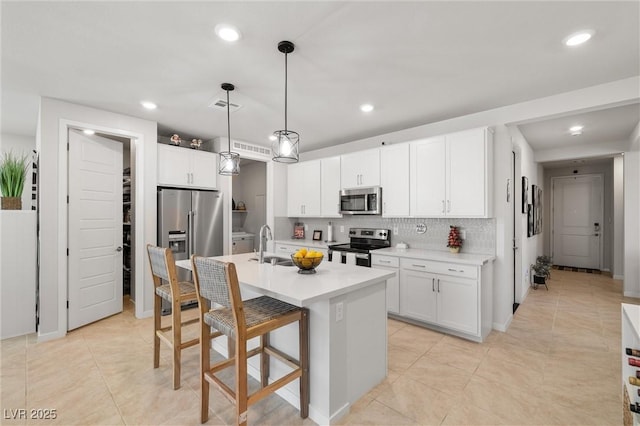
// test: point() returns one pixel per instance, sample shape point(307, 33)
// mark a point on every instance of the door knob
point(119, 248)
point(596, 235)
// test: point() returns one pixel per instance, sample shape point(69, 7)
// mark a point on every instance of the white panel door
point(95, 229)
point(394, 178)
point(466, 189)
point(577, 221)
point(427, 177)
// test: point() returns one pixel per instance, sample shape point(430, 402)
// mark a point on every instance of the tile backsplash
point(480, 235)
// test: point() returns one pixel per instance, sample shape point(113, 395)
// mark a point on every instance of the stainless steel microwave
point(361, 200)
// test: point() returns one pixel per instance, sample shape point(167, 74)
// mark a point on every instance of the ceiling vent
point(246, 150)
point(221, 104)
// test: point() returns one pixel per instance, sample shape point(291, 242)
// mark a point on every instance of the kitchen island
point(347, 328)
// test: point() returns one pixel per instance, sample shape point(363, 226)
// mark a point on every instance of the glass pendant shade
point(229, 161)
point(285, 147)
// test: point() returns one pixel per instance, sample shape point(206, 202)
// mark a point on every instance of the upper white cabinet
point(450, 175)
point(330, 187)
point(303, 189)
point(186, 167)
point(394, 179)
point(360, 168)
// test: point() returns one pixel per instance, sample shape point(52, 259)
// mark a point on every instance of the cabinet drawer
point(442, 268)
point(385, 261)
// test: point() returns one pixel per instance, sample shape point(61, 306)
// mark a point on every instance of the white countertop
point(439, 256)
point(286, 284)
point(309, 243)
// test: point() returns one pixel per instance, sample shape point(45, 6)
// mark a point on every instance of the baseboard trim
point(634, 294)
point(618, 277)
point(51, 336)
point(505, 326)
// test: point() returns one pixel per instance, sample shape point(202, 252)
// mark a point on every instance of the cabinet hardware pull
point(438, 285)
point(384, 261)
point(442, 206)
point(448, 206)
point(433, 284)
point(418, 266)
point(456, 270)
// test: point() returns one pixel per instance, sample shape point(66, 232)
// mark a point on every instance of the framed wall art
point(529, 220)
point(537, 209)
point(525, 194)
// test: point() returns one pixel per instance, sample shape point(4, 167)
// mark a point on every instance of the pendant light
point(229, 161)
point(285, 147)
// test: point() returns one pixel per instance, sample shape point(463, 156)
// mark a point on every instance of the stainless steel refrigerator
point(190, 222)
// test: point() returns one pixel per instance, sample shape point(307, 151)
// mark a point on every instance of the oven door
point(363, 259)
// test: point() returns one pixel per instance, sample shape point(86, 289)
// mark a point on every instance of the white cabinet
point(244, 244)
point(189, 168)
point(450, 175)
point(452, 297)
point(360, 168)
point(393, 284)
point(330, 187)
point(394, 179)
point(286, 250)
point(427, 177)
point(303, 189)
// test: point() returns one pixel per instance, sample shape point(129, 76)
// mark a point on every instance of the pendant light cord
point(228, 124)
point(285, 93)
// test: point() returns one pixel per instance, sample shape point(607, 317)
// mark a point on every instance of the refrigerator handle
point(190, 231)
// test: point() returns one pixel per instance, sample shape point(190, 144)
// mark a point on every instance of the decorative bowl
point(306, 265)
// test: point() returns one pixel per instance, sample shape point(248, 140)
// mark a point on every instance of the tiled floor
point(559, 363)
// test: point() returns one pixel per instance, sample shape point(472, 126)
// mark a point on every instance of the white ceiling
point(417, 62)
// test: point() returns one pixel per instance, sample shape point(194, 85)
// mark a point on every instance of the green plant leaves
point(13, 172)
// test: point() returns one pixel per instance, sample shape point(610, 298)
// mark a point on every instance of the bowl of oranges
point(307, 260)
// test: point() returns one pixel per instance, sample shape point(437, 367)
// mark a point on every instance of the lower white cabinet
point(287, 250)
point(393, 284)
point(452, 297)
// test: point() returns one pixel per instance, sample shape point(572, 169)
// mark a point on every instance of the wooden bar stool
point(217, 282)
point(163, 267)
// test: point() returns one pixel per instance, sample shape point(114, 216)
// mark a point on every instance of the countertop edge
point(437, 256)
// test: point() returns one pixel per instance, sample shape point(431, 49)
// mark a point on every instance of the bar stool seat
point(217, 285)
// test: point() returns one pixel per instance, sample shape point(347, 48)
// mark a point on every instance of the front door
point(577, 221)
point(95, 228)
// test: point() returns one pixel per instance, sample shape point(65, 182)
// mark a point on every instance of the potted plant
point(454, 241)
point(13, 172)
point(541, 271)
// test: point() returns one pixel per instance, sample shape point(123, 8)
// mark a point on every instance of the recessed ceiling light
point(227, 32)
point(578, 38)
point(148, 105)
point(89, 132)
point(575, 130)
point(272, 138)
point(366, 107)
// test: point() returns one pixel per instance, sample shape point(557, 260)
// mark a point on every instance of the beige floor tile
point(557, 364)
point(377, 413)
point(415, 400)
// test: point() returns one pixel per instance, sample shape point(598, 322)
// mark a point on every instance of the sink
point(280, 261)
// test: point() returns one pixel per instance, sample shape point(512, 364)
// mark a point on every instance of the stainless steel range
point(362, 242)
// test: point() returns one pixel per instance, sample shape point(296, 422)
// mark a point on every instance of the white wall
point(51, 139)
point(20, 145)
point(631, 214)
point(530, 247)
point(618, 217)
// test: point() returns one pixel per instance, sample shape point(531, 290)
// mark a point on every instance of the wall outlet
point(339, 311)
point(306, 227)
point(341, 228)
point(463, 234)
point(395, 229)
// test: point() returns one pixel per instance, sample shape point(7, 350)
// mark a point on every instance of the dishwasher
point(242, 243)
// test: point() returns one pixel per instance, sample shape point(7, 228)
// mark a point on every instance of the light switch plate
point(395, 229)
point(339, 311)
point(341, 228)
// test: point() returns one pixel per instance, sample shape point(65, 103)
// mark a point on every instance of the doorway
point(249, 190)
point(577, 221)
point(514, 243)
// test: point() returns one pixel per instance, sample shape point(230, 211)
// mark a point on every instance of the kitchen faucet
point(263, 241)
